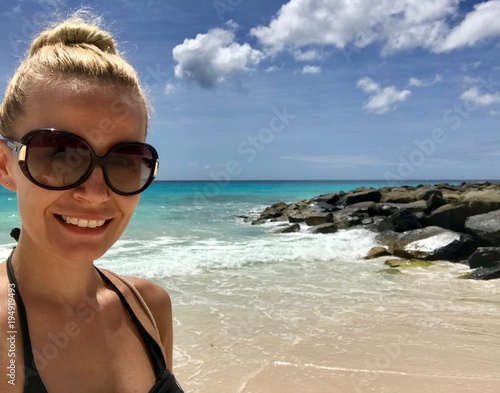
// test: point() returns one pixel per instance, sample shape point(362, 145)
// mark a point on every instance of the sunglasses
point(60, 160)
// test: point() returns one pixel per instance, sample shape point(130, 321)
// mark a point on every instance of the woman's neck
point(53, 277)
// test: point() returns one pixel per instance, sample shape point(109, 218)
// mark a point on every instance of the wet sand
point(388, 357)
point(236, 333)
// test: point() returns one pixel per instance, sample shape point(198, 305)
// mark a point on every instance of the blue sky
point(305, 89)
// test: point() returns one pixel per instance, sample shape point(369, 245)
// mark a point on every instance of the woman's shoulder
point(155, 296)
point(160, 305)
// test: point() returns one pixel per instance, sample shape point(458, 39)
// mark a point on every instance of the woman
point(73, 124)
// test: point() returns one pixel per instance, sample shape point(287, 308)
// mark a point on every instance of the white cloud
point(415, 82)
point(314, 70)
point(474, 96)
point(381, 100)
point(400, 25)
point(368, 85)
point(479, 24)
point(309, 55)
point(210, 58)
point(396, 25)
point(170, 88)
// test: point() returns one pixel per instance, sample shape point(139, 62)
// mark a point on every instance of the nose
point(94, 189)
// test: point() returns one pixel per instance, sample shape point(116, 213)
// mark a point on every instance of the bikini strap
point(155, 351)
point(139, 297)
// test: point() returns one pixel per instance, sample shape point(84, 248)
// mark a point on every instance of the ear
point(6, 172)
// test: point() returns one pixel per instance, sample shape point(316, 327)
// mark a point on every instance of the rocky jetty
point(457, 223)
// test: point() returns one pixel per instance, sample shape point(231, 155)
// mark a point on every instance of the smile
point(82, 223)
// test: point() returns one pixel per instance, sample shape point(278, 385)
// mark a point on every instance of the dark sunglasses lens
point(130, 167)
point(57, 160)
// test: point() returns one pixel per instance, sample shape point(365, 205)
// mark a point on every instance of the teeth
point(83, 223)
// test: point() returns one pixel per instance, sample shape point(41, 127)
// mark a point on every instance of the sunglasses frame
point(20, 149)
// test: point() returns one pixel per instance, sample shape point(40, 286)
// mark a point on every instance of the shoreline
point(235, 332)
point(457, 223)
point(373, 361)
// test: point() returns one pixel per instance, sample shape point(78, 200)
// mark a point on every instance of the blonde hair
point(78, 48)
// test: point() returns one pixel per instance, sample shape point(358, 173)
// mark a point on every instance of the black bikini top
point(165, 381)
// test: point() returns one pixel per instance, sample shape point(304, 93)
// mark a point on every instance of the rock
point(390, 271)
point(435, 201)
point(452, 220)
point(383, 209)
point(329, 199)
point(360, 207)
point(433, 243)
point(482, 201)
point(289, 229)
point(481, 206)
point(370, 195)
point(484, 257)
point(485, 228)
point(407, 263)
point(273, 211)
point(486, 273)
point(412, 207)
point(344, 220)
point(428, 193)
point(449, 217)
point(321, 206)
point(398, 195)
point(404, 220)
point(377, 252)
point(379, 224)
point(323, 228)
point(319, 218)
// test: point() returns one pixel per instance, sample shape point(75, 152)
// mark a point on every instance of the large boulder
point(323, 228)
point(449, 217)
point(404, 220)
point(399, 195)
point(344, 219)
point(365, 195)
point(273, 211)
point(482, 201)
point(316, 218)
point(432, 243)
point(484, 257)
point(435, 201)
point(377, 252)
point(289, 229)
point(485, 228)
point(486, 273)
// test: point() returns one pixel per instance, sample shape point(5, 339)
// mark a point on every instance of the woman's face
point(84, 222)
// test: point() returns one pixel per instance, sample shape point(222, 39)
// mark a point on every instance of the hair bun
point(73, 32)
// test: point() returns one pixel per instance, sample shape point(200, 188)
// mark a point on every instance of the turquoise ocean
point(185, 228)
point(252, 306)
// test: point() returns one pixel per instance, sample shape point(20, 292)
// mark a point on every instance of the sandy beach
point(240, 333)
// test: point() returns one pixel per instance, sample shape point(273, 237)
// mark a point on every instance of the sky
point(304, 89)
